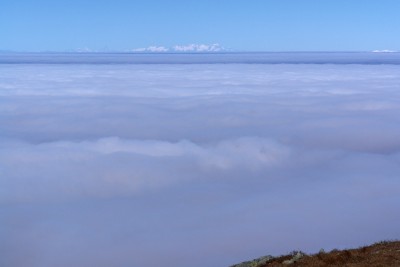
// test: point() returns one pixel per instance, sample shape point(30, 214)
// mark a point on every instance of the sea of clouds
point(194, 165)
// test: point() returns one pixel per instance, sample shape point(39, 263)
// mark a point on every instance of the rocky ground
point(382, 254)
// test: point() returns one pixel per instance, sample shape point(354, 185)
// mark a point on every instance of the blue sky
point(268, 25)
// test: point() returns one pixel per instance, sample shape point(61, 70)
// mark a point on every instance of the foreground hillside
point(383, 254)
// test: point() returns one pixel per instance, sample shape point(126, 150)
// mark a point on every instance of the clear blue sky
point(253, 25)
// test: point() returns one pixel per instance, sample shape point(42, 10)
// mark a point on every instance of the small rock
point(254, 263)
point(295, 258)
point(287, 262)
point(298, 256)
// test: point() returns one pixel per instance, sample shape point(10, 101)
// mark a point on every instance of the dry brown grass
point(383, 254)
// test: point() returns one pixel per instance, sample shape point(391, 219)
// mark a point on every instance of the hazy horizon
point(369, 58)
point(78, 51)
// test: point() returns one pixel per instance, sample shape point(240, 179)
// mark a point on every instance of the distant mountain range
point(182, 48)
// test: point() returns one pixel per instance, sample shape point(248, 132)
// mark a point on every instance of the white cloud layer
point(156, 49)
point(83, 168)
point(384, 51)
point(198, 48)
point(133, 165)
point(201, 48)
